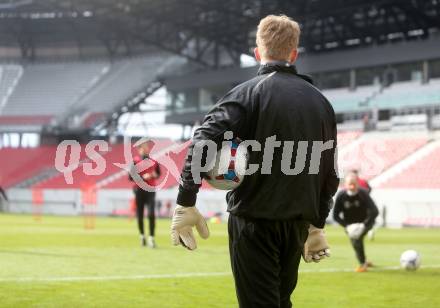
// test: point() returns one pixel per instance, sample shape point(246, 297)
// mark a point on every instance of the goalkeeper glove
point(184, 219)
point(316, 247)
point(355, 230)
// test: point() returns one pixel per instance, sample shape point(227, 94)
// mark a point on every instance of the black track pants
point(358, 246)
point(145, 198)
point(265, 256)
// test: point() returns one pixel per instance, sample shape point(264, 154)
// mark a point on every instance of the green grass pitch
point(56, 263)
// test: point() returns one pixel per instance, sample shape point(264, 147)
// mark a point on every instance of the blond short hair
point(277, 36)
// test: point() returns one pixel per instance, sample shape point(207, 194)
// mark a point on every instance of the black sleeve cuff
point(320, 224)
point(324, 210)
point(186, 197)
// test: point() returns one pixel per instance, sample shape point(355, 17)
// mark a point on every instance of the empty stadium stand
point(61, 91)
point(398, 95)
point(79, 177)
point(124, 78)
point(408, 94)
point(373, 154)
point(346, 100)
point(19, 164)
point(423, 173)
point(113, 158)
point(48, 89)
point(85, 91)
point(25, 120)
point(9, 77)
point(346, 137)
point(89, 119)
point(120, 180)
point(115, 178)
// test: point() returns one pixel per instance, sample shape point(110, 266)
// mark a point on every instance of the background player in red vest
point(148, 169)
point(361, 182)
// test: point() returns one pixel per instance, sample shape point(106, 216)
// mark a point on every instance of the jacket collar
point(281, 66)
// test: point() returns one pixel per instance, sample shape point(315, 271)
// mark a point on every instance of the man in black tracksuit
point(354, 205)
point(148, 171)
point(271, 210)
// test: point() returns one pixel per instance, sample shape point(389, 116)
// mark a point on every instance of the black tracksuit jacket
point(282, 103)
point(355, 209)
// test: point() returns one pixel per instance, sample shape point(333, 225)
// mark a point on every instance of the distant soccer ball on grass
point(229, 168)
point(410, 260)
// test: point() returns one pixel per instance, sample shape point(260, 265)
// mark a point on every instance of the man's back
point(286, 112)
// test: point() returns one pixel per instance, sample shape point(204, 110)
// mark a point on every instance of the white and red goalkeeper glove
point(316, 247)
point(184, 219)
point(355, 230)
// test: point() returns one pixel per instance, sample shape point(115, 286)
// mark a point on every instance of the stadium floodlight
point(354, 41)
point(331, 45)
point(87, 14)
point(416, 32)
point(396, 35)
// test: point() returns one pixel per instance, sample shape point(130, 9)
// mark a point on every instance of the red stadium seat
point(19, 164)
point(423, 174)
point(375, 155)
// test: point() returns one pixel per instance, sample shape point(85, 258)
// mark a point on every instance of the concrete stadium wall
point(400, 204)
point(56, 201)
point(108, 201)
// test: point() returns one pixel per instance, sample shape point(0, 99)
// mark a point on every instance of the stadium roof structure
point(205, 30)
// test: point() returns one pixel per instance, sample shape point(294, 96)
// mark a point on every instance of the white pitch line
point(377, 269)
point(104, 278)
point(183, 275)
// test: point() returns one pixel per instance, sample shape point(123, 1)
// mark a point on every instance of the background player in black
point(149, 170)
point(356, 212)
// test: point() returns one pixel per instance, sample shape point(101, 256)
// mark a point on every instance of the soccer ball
point(410, 260)
point(229, 167)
